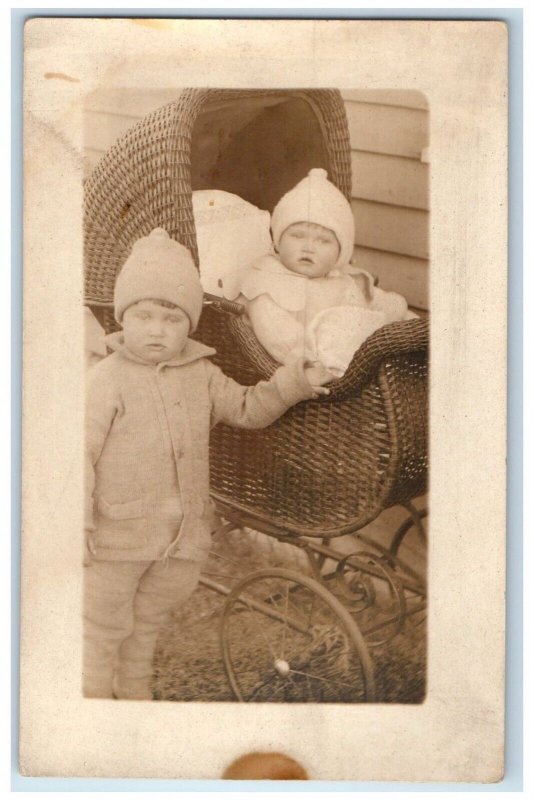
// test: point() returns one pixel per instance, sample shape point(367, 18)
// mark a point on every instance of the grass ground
point(189, 664)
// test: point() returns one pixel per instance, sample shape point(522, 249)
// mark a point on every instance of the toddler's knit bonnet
point(315, 199)
point(159, 268)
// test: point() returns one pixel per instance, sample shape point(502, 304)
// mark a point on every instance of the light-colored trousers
point(126, 603)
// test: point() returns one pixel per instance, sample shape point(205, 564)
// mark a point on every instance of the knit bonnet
point(315, 199)
point(159, 268)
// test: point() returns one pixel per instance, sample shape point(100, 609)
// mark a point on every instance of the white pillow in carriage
point(231, 234)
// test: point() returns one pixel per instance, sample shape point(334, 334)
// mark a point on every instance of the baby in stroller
point(306, 298)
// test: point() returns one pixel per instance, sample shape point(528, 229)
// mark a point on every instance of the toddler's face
point(153, 332)
point(308, 249)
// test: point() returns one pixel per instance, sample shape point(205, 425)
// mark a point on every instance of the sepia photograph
point(273, 300)
point(311, 591)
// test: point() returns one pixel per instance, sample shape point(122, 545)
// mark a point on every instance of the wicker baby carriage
point(329, 466)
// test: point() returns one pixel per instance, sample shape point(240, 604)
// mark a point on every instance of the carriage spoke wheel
point(286, 638)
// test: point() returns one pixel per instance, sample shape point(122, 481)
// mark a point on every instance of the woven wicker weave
point(327, 466)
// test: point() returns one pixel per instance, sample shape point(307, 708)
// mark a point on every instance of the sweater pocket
point(131, 510)
point(121, 526)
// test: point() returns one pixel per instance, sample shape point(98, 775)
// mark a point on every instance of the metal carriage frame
point(338, 593)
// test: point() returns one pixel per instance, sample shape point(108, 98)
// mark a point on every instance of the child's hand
point(317, 375)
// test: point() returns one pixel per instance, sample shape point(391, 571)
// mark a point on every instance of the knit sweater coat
point(147, 447)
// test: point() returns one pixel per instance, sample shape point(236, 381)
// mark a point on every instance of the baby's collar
point(266, 264)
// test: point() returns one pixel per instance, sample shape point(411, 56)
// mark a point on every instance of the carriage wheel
point(285, 638)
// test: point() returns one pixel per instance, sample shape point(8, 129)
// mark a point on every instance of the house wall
point(390, 174)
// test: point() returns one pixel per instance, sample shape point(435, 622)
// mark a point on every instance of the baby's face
point(153, 332)
point(308, 249)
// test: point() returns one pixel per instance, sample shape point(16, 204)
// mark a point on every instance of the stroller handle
point(222, 304)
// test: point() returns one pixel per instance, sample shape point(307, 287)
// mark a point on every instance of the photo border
point(514, 698)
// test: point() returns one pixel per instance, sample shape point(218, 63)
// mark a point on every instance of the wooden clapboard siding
point(106, 127)
point(389, 138)
point(109, 113)
point(387, 129)
point(408, 276)
point(401, 98)
point(389, 179)
point(391, 228)
point(134, 103)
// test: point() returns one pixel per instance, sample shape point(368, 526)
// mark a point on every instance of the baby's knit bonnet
point(159, 268)
point(315, 199)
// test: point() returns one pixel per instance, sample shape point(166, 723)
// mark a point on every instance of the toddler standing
point(307, 299)
point(150, 406)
